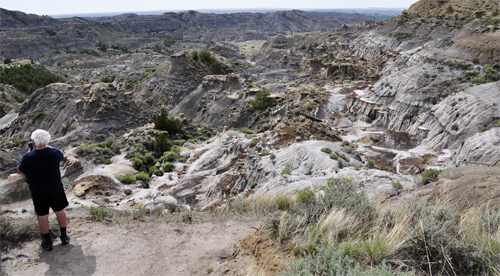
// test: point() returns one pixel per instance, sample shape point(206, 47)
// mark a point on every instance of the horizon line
point(215, 9)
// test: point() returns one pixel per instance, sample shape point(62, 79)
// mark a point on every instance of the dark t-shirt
point(41, 167)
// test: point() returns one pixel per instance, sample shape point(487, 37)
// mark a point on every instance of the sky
point(55, 7)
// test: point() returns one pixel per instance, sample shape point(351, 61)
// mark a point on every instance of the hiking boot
point(46, 245)
point(65, 239)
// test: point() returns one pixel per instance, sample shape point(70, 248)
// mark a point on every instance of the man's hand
point(18, 171)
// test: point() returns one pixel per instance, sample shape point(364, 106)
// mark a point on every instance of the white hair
point(40, 137)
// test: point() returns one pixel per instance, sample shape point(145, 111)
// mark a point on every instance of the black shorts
point(54, 199)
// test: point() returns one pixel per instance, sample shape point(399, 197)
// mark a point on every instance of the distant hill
point(16, 19)
point(47, 34)
point(379, 13)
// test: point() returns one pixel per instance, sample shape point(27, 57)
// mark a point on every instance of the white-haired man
point(41, 167)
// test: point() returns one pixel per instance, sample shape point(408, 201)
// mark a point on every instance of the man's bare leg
point(43, 222)
point(61, 219)
point(63, 222)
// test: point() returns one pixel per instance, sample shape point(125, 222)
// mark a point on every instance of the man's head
point(40, 137)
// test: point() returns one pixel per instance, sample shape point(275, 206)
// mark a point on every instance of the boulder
point(14, 188)
point(71, 166)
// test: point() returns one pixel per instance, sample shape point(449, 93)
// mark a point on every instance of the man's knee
point(58, 213)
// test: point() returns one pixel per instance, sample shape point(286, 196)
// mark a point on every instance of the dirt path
point(161, 246)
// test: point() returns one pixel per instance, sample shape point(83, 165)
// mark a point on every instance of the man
point(41, 167)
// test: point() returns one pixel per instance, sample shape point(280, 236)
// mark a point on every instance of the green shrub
point(273, 220)
point(194, 141)
point(264, 152)
point(142, 176)
point(489, 70)
point(247, 131)
point(343, 156)
point(430, 175)
point(98, 213)
point(358, 167)
point(149, 159)
point(179, 142)
point(498, 123)
point(435, 238)
point(38, 115)
point(107, 79)
point(344, 194)
point(332, 260)
point(449, 9)
point(272, 156)
point(454, 127)
point(283, 202)
point(119, 47)
point(397, 185)
point(483, 129)
point(168, 167)
point(18, 98)
point(163, 122)
point(153, 170)
point(211, 61)
point(495, 12)
point(137, 163)
point(170, 156)
point(262, 99)
point(253, 185)
point(176, 149)
point(252, 143)
point(195, 56)
point(286, 171)
point(182, 159)
point(480, 80)
point(126, 179)
point(106, 144)
point(107, 161)
point(334, 157)
point(490, 222)
point(7, 61)
point(326, 150)
point(169, 41)
point(305, 196)
point(475, 60)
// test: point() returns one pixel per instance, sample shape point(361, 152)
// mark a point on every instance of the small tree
point(262, 100)
point(449, 9)
point(495, 13)
point(163, 122)
point(7, 61)
point(162, 143)
point(101, 46)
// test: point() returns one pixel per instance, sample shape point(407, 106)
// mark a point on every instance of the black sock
point(63, 231)
point(46, 237)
